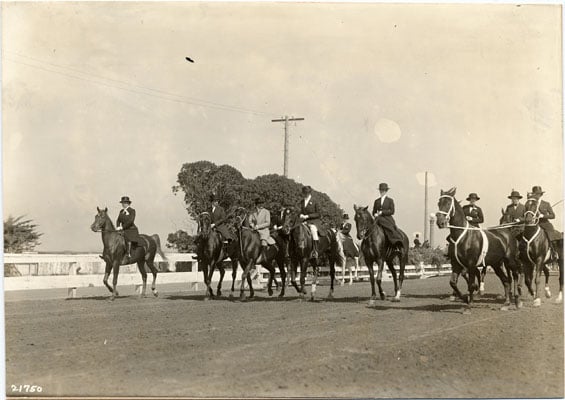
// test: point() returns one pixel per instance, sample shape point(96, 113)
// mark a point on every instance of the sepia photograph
point(209, 199)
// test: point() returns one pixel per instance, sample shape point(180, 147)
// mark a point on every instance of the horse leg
point(250, 282)
point(390, 267)
point(222, 273)
point(303, 272)
point(282, 270)
point(499, 271)
point(314, 280)
point(272, 272)
point(245, 276)
point(154, 271)
point(559, 298)
point(106, 275)
point(332, 278)
point(141, 267)
point(115, 273)
point(293, 271)
point(482, 281)
point(538, 271)
point(546, 288)
point(233, 276)
point(373, 297)
point(453, 283)
point(380, 266)
point(402, 266)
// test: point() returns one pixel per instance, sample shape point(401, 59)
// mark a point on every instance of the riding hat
point(473, 196)
point(212, 197)
point(383, 186)
point(306, 190)
point(125, 199)
point(345, 216)
point(537, 190)
point(516, 194)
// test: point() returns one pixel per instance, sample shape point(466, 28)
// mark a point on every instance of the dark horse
point(115, 252)
point(250, 254)
point(211, 252)
point(468, 246)
point(375, 249)
point(300, 248)
point(535, 253)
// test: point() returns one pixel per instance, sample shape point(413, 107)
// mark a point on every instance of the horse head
point(531, 216)
point(240, 216)
point(446, 207)
point(505, 218)
point(287, 221)
point(363, 221)
point(102, 221)
point(204, 224)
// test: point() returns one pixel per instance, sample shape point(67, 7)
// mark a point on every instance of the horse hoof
point(372, 302)
point(504, 308)
point(466, 311)
point(500, 297)
point(206, 298)
point(547, 293)
point(452, 298)
point(155, 293)
point(537, 302)
point(519, 304)
point(330, 296)
point(270, 291)
point(231, 295)
point(383, 296)
point(341, 283)
point(559, 298)
point(395, 299)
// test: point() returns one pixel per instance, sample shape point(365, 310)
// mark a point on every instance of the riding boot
point(315, 249)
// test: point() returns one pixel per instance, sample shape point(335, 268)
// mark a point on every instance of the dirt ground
point(180, 345)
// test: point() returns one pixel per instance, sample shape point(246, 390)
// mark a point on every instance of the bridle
point(368, 225)
point(535, 214)
point(451, 212)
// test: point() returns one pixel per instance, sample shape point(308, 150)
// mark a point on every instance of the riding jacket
point(126, 219)
point(475, 213)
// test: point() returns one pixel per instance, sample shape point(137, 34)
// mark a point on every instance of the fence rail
point(72, 271)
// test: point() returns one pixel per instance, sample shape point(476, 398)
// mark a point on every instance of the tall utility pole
point(286, 120)
point(426, 216)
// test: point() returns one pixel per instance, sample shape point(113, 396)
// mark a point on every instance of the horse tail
point(158, 247)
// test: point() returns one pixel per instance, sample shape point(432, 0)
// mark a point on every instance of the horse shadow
point(452, 307)
point(234, 299)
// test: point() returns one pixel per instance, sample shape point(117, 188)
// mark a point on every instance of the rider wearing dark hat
point(218, 218)
point(383, 210)
point(516, 209)
point(473, 213)
point(545, 214)
point(310, 213)
point(126, 223)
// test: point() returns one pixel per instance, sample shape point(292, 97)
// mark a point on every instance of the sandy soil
point(180, 345)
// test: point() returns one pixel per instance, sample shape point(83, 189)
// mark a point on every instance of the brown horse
point(115, 252)
point(535, 253)
point(300, 248)
point(468, 246)
point(376, 249)
point(211, 253)
point(250, 254)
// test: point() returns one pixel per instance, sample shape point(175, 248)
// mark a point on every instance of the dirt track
point(179, 345)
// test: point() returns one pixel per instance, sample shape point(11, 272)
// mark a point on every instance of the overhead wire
point(72, 72)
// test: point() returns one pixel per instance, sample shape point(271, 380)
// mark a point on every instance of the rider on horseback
point(473, 213)
point(545, 214)
point(383, 210)
point(260, 221)
point(309, 212)
point(515, 211)
point(125, 223)
point(218, 218)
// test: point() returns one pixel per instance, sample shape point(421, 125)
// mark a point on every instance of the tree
point(197, 180)
point(20, 235)
point(181, 241)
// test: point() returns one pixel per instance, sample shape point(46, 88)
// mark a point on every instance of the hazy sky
point(99, 102)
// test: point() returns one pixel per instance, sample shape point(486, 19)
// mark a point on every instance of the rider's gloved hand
point(469, 218)
point(119, 228)
point(213, 226)
point(541, 216)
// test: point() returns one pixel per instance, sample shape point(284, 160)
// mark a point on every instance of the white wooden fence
point(30, 271)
